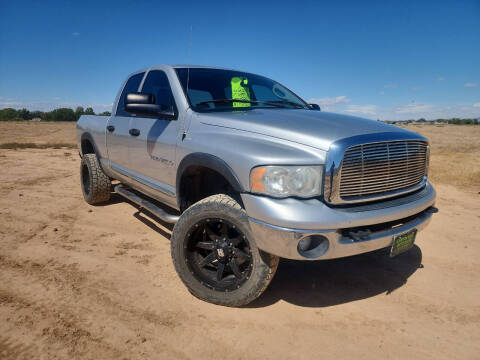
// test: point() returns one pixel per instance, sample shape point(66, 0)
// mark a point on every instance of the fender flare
point(208, 161)
point(89, 137)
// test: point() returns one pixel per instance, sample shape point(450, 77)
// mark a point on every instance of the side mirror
point(314, 107)
point(144, 104)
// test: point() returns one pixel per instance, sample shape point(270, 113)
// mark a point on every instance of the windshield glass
point(227, 90)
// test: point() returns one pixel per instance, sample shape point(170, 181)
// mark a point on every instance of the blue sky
point(377, 59)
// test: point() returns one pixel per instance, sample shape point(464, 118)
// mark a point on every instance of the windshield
point(226, 90)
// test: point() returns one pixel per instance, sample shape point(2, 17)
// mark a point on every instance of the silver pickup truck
point(249, 172)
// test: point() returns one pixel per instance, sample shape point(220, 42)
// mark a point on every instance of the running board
point(143, 203)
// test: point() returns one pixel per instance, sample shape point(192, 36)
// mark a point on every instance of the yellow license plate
point(403, 242)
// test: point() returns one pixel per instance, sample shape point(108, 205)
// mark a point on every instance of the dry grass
point(455, 154)
point(455, 149)
point(16, 145)
point(37, 133)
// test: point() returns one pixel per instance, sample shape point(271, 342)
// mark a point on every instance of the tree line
point(67, 114)
point(455, 121)
point(61, 114)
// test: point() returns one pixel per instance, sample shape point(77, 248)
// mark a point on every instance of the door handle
point(134, 132)
point(111, 128)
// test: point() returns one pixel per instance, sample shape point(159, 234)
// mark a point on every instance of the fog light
point(313, 246)
point(304, 244)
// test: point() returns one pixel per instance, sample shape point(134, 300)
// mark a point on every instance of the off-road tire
point(96, 186)
point(264, 264)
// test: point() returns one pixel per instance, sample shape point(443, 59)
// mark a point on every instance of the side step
point(143, 203)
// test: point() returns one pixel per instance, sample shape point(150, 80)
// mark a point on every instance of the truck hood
point(313, 128)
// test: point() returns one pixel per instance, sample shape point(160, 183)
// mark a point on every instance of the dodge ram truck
point(249, 172)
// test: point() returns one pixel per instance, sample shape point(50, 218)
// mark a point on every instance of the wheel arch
point(204, 161)
point(87, 144)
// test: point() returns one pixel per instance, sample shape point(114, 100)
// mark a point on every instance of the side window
point(157, 84)
point(131, 86)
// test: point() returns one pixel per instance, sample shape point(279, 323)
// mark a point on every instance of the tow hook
point(432, 210)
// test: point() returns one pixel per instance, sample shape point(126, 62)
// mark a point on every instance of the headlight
point(283, 181)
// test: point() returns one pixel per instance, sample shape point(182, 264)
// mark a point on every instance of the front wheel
point(215, 255)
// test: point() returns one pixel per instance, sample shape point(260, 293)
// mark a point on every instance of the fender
point(209, 161)
point(88, 136)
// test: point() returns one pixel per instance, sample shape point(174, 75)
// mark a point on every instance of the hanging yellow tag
point(240, 91)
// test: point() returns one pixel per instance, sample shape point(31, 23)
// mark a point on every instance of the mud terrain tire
point(96, 186)
point(261, 266)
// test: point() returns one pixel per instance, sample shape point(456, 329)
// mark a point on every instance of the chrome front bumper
point(279, 224)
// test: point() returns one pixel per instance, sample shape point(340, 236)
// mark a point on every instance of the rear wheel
point(96, 186)
point(215, 254)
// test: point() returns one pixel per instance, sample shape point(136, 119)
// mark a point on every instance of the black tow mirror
point(144, 104)
point(314, 107)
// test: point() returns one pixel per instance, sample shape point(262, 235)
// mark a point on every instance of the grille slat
point(377, 168)
point(354, 185)
point(393, 185)
point(359, 175)
point(354, 169)
point(353, 192)
point(371, 180)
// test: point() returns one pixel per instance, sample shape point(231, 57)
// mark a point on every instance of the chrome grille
point(382, 167)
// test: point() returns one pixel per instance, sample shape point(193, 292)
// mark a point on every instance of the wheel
point(215, 255)
point(95, 184)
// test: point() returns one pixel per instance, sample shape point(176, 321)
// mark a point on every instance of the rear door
point(152, 152)
point(118, 127)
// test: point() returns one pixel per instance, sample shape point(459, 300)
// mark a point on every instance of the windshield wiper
point(219, 101)
point(288, 102)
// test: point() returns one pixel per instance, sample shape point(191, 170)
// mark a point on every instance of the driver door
point(152, 148)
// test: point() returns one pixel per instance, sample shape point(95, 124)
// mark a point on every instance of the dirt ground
point(97, 282)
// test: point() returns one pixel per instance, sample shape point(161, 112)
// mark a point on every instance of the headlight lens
point(283, 181)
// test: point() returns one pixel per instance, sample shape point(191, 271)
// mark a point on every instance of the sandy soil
point(97, 282)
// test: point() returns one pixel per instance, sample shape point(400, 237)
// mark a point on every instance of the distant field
point(455, 154)
point(455, 149)
point(39, 133)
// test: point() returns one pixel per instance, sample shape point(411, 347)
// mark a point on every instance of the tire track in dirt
point(62, 282)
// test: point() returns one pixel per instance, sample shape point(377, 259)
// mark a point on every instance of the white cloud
point(75, 33)
point(472, 84)
point(390, 86)
point(362, 109)
point(414, 111)
point(416, 88)
point(330, 101)
point(399, 111)
point(429, 111)
point(412, 108)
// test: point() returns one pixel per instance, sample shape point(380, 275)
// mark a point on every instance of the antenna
point(189, 56)
point(189, 51)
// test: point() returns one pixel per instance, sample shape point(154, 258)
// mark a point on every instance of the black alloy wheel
point(218, 254)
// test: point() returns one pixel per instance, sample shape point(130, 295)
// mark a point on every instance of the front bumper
point(279, 224)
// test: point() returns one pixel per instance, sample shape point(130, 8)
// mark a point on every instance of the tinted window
point(157, 84)
point(217, 90)
point(131, 86)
